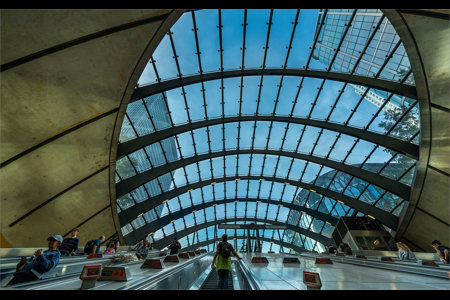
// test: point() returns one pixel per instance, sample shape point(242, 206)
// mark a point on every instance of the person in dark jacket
point(69, 246)
point(174, 246)
point(39, 264)
point(345, 248)
point(441, 250)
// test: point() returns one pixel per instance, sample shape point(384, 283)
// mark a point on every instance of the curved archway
point(394, 82)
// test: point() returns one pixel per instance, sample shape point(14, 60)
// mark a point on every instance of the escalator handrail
point(158, 277)
point(251, 278)
point(392, 266)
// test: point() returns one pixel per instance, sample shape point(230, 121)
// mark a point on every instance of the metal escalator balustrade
point(179, 276)
point(68, 267)
point(395, 265)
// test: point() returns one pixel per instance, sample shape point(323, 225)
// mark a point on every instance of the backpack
point(89, 246)
point(226, 250)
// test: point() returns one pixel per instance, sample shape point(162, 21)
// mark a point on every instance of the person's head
point(54, 241)
point(225, 237)
point(75, 231)
point(376, 242)
point(435, 244)
point(102, 238)
point(401, 246)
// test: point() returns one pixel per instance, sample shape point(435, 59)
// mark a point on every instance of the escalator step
point(212, 280)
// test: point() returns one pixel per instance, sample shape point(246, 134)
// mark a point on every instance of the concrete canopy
point(65, 75)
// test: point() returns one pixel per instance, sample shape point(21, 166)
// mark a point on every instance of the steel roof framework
point(401, 146)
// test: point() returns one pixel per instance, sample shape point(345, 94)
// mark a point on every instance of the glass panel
point(139, 118)
point(125, 201)
point(139, 194)
point(256, 33)
point(276, 135)
point(232, 38)
point(230, 165)
point(230, 189)
point(183, 35)
point(269, 165)
point(124, 168)
point(196, 196)
point(388, 202)
point(283, 166)
point(308, 93)
point(157, 108)
point(148, 75)
point(231, 133)
point(163, 59)
point(310, 134)
point(287, 94)
point(194, 99)
point(231, 96)
point(325, 142)
point(140, 161)
point(150, 216)
point(155, 154)
point(207, 22)
point(283, 214)
point(261, 210)
point(174, 205)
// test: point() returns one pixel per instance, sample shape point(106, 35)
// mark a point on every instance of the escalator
point(212, 279)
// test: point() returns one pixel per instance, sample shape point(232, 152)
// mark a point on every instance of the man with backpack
point(223, 266)
point(93, 246)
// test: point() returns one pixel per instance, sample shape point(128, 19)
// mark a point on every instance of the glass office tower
point(384, 42)
point(138, 123)
point(340, 182)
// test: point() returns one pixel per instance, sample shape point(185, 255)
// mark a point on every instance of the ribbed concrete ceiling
point(64, 76)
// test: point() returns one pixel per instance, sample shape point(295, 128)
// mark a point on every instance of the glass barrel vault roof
point(268, 116)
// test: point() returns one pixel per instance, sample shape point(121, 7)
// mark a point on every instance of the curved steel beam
point(140, 233)
point(380, 84)
point(384, 217)
point(195, 246)
point(395, 187)
point(126, 217)
point(397, 145)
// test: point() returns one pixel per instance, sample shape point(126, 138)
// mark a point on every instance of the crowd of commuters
point(43, 261)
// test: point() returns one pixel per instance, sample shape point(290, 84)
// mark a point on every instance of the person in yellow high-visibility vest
point(223, 266)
